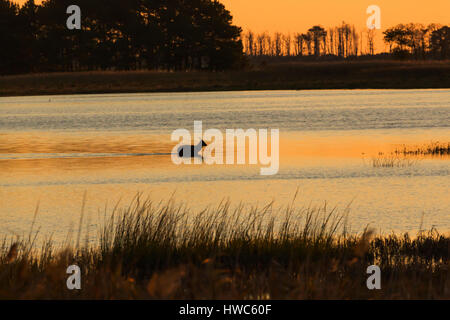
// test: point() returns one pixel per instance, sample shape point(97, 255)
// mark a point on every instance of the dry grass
point(163, 251)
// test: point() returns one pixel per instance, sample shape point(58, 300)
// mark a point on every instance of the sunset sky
point(299, 15)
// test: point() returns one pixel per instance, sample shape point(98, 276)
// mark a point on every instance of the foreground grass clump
point(392, 161)
point(163, 251)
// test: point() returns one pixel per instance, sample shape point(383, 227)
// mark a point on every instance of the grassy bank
point(279, 76)
point(163, 251)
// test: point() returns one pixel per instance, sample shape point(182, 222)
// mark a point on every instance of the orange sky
point(299, 15)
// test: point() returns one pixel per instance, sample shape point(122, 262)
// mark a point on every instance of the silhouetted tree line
point(120, 35)
point(411, 40)
point(341, 41)
point(419, 41)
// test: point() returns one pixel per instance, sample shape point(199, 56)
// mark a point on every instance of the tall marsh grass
point(163, 250)
point(434, 148)
point(392, 161)
point(407, 156)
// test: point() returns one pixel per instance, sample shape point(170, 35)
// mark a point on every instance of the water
point(54, 148)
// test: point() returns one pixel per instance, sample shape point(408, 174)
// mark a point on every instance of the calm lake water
point(54, 148)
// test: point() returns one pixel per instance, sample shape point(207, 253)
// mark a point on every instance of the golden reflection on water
point(291, 144)
point(46, 156)
point(41, 142)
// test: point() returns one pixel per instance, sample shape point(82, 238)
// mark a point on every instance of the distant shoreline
point(385, 74)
